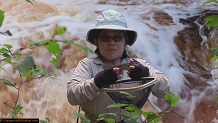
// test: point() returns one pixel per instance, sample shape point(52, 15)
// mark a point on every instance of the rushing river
point(157, 23)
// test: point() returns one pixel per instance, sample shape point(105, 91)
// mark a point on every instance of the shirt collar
point(99, 61)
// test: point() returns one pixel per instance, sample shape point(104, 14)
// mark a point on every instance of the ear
point(96, 42)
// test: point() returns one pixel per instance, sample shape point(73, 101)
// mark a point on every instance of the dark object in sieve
point(124, 66)
point(140, 89)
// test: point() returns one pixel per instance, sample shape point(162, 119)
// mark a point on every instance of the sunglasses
point(116, 38)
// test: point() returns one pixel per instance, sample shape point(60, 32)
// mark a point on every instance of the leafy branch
point(209, 1)
point(212, 22)
point(2, 16)
point(23, 61)
point(151, 117)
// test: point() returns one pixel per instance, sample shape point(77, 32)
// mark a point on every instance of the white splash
point(79, 16)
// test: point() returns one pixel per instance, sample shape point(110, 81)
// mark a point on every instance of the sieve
point(150, 81)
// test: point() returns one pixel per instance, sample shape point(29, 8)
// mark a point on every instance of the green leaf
point(54, 49)
point(84, 48)
point(51, 75)
point(78, 45)
point(40, 43)
point(130, 116)
point(60, 30)
point(84, 119)
point(4, 51)
point(3, 68)
point(5, 55)
point(216, 99)
point(110, 120)
point(209, 1)
point(131, 108)
point(111, 114)
point(214, 58)
point(152, 117)
point(172, 99)
point(27, 74)
point(126, 116)
point(177, 113)
point(101, 115)
point(54, 61)
point(8, 46)
point(8, 33)
point(38, 71)
point(212, 21)
point(25, 65)
point(29, 1)
point(117, 105)
point(213, 54)
point(47, 119)
point(17, 55)
point(6, 82)
point(130, 96)
point(42, 121)
point(2, 15)
point(155, 119)
point(8, 60)
point(16, 110)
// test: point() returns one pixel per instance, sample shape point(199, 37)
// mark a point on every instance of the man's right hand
point(107, 77)
point(137, 71)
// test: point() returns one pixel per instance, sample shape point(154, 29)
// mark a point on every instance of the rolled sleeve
point(163, 84)
point(81, 86)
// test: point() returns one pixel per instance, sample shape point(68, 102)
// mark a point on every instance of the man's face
point(111, 44)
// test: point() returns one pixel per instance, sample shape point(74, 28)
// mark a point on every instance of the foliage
point(54, 48)
point(172, 99)
point(85, 120)
point(23, 61)
point(209, 1)
point(134, 111)
point(1, 17)
point(216, 99)
point(2, 13)
point(30, 1)
point(45, 121)
point(16, 110)
point(213, 54)
point(25, 65)
point(212, 21)
point(8, 83)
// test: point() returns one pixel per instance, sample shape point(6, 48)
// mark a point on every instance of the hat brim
point(131, 34)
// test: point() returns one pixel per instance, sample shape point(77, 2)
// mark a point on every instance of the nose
point(111, 42)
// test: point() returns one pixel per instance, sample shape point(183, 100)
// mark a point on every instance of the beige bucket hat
point(111, 19)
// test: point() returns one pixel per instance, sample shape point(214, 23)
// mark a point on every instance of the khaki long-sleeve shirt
point(93, 101)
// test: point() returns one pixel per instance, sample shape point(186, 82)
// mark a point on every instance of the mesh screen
point(140, 96)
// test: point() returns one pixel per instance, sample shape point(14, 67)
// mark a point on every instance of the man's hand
point(137, 71)
point(107, 77)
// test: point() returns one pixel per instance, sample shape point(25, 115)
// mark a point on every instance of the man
point(110, 36)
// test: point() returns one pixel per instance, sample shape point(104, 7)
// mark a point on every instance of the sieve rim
point(148, 84)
